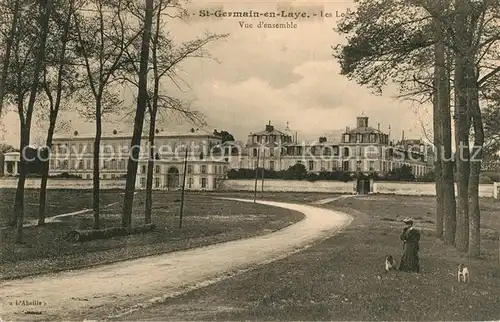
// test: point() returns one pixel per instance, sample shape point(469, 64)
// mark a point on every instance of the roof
point(272, 132)
point(364, 130)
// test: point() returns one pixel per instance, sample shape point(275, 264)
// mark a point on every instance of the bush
point(296, 172)
point(66, 175)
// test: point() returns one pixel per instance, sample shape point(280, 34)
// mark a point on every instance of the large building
point(361, 149)
point(73, 154)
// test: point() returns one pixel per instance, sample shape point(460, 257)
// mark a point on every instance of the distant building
point(362, 149)
point(73, 154)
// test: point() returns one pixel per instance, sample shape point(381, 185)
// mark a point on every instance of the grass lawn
point(343, 279)
point(205, 221)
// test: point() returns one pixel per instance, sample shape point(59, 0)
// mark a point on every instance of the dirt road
point(117, 289)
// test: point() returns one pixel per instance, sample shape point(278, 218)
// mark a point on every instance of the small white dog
point(463, 273)
point(390, 263)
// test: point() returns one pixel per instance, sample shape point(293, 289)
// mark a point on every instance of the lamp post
point(256, 177)
point(183, 187)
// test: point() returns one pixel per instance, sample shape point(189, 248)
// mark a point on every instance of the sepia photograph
point(238, 160)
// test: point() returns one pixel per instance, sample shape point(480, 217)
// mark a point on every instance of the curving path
point(117, 289)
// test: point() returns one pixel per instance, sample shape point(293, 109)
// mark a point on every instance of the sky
point(262, 75)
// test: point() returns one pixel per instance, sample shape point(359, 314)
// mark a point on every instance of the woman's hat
point(408, 221)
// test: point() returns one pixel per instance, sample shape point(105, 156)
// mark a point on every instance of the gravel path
point(117, 289)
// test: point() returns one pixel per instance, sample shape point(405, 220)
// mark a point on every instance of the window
point(358, 151)
point(190, 183)
point(203, 183)
point(89, 164)
point(358, 165)
point(345, 166)
point(88, 176)
point(104, 176)
point(121, 164)
point(346, 138)
point(80, 164)
point(157, 168)
point(255, 164)
point(157, 182)
point(189, 168)
point(311, 165)
point(372, 165)
point(271, 165)
point(372, 138)
point(203, 169)
point(271, 152)
point(254, 152)
point(143, 182)
point(113, 176)
point(346, 152)
point(143, 169)
point(113, 164)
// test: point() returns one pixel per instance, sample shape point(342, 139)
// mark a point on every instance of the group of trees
point(445, 52)
point(85, 53)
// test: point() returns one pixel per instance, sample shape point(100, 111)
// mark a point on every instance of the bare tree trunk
point(25, 136)
point(96, 180)
point(8, 50)
point(461, 124)
point(440, 99)
point(19, 201)
point(151, 164)
point(45, 174)
point(462, 157)
point(142, 98)
point(450, 223)
point(54, 111)
point(153, 110)
point(475, 166)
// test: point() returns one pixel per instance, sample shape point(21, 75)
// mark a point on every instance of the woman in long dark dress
point(410, 237)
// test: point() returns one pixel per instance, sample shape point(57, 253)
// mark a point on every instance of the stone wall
point(34, 183)
point(288, 186)
point(382, 187)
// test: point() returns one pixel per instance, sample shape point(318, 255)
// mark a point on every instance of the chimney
point(378, 126)
point(403, 135)
point(269, 127)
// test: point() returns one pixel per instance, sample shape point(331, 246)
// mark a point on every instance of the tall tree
point(462, 124)
point(139, 117)
point(59, 83)
point(103, 37)
point(25, 115)
point(165, 60)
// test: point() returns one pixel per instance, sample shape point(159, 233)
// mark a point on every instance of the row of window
point(121, 165)
point(366, 138)
point(124, 147)
point(271, 138)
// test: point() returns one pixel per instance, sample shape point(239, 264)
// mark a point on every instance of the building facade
point(361, 149)
point(74, 155)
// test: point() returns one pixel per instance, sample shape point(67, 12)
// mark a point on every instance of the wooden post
point(262, 184)
point(183, 187)
point(256, 177)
